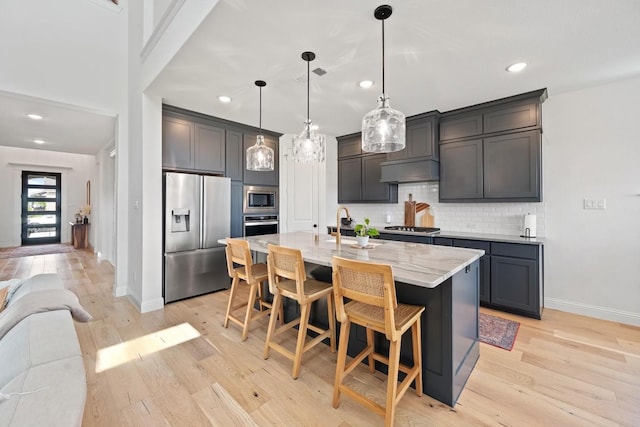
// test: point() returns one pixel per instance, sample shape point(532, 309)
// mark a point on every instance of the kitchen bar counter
point(442, 279)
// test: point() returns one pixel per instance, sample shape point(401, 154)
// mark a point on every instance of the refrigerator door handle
point(202, 213)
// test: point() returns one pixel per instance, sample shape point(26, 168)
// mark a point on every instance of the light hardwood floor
point(179, 366)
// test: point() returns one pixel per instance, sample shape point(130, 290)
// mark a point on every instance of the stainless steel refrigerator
point(197, 212)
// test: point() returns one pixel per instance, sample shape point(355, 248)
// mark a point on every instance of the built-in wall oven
point(260, 200)
point(255, 225)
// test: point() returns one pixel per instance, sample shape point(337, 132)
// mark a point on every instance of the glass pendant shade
point(383, 129)
point(260, 156)
point(308, 146)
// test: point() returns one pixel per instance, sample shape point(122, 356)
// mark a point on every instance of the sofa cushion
point(39, 282)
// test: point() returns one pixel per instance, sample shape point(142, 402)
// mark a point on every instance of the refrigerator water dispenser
point(180, 220)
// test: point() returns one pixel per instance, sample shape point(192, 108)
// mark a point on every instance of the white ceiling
point(439, 55)
point(63, 127)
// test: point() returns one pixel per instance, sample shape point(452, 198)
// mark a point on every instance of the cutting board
point(410, 212)
point(426, 220)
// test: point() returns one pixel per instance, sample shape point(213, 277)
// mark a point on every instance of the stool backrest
point(238, 252)
point(368, 283)
point(286, 263)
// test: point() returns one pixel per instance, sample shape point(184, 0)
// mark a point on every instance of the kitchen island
point(442, 279)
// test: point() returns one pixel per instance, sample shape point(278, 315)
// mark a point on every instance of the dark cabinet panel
point(514, 283)
point(512, 166)
point(485, 279)
point(456, 127)
point(209, 148)
point(359, 175)
point(442, 241)
point(461, 170)
point(349, 180)
point(236, 209)
point(511, 117)
point(234, 155)
point(372, 188)
point(350, 146)
point(421, 140)
point(177, 143)
point(261, 178)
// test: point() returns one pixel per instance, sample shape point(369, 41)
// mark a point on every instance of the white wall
point(76, 170)
point(592, 150)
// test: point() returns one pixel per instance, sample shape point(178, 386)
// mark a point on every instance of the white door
point(301, 191)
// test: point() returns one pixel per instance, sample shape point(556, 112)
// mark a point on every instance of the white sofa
point(42, 376)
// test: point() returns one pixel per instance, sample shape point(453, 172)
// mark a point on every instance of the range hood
point(403, 171)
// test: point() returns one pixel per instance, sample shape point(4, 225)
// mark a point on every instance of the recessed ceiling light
point(38, 141)
point(517, 67)
point(365, 84)
point(224, 99)
point(315, 127)
point(34, 116)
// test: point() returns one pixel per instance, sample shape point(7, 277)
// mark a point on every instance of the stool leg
point(232, 294)
point(332, 321)
point(247, 318)
point(417, 354)
point(345, 328)
point(276, 307)
point(302, 334)
point(392, 382)
point(372, 349)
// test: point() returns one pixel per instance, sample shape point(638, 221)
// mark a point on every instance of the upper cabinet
point(359, 174)
point(194, 142)
point(492, 152)
point(419, 160)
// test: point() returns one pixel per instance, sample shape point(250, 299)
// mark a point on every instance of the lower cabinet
point(510, 274)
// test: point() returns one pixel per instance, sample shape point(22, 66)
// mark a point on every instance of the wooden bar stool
point(372, 292)
point(238, 252)
point(287, 278)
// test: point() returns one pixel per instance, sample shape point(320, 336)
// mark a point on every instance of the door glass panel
point(41, 206)
point(41, 219)
point(41, 180)
point(47, 193)
point(34, 233)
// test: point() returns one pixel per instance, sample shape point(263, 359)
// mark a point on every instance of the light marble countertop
point(414, 263)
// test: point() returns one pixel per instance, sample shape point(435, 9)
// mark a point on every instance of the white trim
point(162, 26)
point(42, 168)
point(120, 291)
point(152, 305)
point(626, 317)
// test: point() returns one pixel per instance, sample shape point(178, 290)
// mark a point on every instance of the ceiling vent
point(319, 71)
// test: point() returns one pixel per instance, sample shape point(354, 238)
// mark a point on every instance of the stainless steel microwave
point(260, 199)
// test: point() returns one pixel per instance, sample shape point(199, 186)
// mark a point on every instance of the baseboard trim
point(626, 317)
point(152, 305)
point(120, 291)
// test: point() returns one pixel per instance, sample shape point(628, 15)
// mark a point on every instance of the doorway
point(41, 210)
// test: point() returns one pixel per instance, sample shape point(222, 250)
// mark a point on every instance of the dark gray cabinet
point(512, 166)
point(234, 156)
point(421, 139)
point(187, 145)
point(461, 170)
point(236, 209)
point(177, 143)
point(359, 175)
point(510, 274)
point(209, 148)
point(492, 152)
point(255, 177)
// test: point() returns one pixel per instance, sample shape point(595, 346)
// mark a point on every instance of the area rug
point(497, 331)
point(22, 251)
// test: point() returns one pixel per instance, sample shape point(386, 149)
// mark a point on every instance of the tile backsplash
point(494, 218)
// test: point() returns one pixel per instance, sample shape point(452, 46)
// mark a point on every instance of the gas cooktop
point(412, 229)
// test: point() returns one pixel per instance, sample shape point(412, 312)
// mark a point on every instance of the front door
point(40, 207)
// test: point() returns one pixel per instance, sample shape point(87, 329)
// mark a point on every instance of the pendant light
point(308, 147)
point(259, 156)
point(383, 129)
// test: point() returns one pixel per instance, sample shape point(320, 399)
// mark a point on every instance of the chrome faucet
point(338, 222)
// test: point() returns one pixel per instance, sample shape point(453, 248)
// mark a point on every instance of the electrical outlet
point(595, 203)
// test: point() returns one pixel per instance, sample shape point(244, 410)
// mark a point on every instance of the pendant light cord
point(260, 114)
point(383, 93)
point(308, 90)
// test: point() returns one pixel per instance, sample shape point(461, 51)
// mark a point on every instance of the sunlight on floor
point(119, 354)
